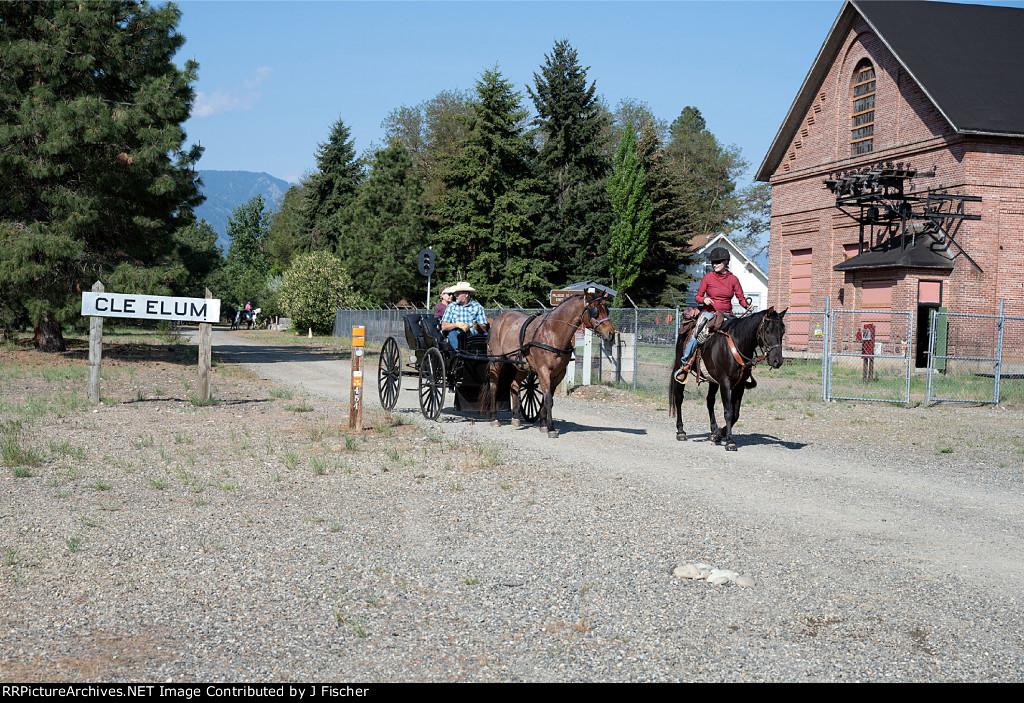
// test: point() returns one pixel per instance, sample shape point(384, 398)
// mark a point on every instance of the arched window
point(862, 128)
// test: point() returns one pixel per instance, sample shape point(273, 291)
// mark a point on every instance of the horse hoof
point(494, 423)
point(681, 436)
point(730, 447)
point(515, 422)
point(553, 433)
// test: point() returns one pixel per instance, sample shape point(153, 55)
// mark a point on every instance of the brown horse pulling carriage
point(729, 356)
point(525, 347)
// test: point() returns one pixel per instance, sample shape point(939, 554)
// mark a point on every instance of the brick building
point(934, 91)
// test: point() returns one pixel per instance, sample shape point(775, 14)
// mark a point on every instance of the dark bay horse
point(542, 343)
point(729, 356)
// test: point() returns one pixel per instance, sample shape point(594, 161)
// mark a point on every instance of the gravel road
point(885, 544)
point(861, 543)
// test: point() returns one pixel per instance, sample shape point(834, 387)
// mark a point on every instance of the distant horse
point(542, 343)
point(729, 355)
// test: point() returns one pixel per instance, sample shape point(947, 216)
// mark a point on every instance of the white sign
point(151, 307)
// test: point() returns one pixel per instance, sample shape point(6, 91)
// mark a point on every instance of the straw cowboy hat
point(461, 286)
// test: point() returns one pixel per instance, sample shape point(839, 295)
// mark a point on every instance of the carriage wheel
point(389, 374)
point(432, 384)
point(530, 398)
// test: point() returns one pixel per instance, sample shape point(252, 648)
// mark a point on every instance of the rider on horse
point(714, 294)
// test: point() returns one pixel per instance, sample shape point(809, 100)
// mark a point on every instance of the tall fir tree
point(93, 169)
point(332, 188)
point(664, 271)
point(631, 215)
point(288, 233)
point(488, 208)
point(387, 228)
point(573, 128)
point(244, 275)
point(707, 171)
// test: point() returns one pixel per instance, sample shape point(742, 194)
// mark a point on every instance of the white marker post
point(355, 396)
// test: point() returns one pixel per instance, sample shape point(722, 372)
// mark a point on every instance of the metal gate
point(964, 357)
point(869, 355)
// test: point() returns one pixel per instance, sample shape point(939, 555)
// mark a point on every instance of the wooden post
point(95, 350)
point(355, 396)
point(205, 355)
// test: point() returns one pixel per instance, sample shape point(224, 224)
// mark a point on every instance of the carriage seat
point(432, 334)
point(414, 331)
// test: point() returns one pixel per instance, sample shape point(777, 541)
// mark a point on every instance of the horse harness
point(591, 311)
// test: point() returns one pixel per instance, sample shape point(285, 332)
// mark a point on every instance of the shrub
point(314, 286)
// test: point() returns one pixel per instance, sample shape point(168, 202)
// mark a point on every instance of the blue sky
point(274, 76)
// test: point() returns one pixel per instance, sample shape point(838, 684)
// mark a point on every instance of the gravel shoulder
point(258, 539)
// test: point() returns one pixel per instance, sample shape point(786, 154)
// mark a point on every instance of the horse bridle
point(761, 343)
point(589, 313)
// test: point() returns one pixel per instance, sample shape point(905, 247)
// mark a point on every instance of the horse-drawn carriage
point(439, 368)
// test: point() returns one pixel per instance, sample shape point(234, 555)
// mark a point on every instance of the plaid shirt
point(469, 313)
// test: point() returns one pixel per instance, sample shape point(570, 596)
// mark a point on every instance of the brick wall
point(910, 129)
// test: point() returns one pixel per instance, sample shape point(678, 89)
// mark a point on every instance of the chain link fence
point(975, 358)
point(870, 355)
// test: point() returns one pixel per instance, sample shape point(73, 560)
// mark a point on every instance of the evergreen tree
point(387, 230)
point(631, 213)
point(707, 172)
point(491, 196)
point(664, 269)
point(92, 166)
point(244, 276)
point(332, 188)
point(197, 252)
point(288, 233)
point(573, 126)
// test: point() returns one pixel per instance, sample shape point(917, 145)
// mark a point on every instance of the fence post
point(206, 355)
point(933, 315)
point(826, 346)
point(999, 351)
point(636, 343)
point(907, 351)
point(95, 350)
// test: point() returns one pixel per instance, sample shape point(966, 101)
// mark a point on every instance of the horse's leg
point(728, 410)
point(737, 399)
point(516, 408)
point(548, 382)
point(716, 432)
point(491, 391)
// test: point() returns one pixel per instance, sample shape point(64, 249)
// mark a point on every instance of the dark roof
point(968, 59)
point(927, 250)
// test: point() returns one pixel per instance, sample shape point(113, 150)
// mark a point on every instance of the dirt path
point(949, 517)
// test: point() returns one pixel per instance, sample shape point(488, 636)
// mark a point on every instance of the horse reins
point(524, 345)
point(753, 361)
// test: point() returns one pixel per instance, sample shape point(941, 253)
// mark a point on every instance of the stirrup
point(683, 373)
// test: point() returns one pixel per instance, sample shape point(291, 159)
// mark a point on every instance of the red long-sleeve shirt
point(720, 287)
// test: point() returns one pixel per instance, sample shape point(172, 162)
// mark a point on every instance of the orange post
point(355, 403)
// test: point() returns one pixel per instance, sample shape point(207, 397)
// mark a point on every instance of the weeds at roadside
point(74, 544)
point(10, 556)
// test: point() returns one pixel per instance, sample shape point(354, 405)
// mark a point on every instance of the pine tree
point(573, 127)
point(332, 188)
point(244, 276)
point(288, 234)
point(491, 197)
point(92, 166)
point(631, 213)
point(387, 230)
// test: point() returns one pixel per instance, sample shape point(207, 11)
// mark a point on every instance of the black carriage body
point(465, 369)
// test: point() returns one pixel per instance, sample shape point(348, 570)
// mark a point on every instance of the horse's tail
point(485, 398)
point(672, 395)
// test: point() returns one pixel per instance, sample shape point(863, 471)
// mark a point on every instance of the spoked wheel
point(432, 384)
point(530, 398)
point(389, 374)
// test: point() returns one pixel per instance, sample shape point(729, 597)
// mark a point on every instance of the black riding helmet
point(719, 254)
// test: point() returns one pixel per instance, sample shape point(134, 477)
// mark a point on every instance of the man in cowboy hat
point(464, 314)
